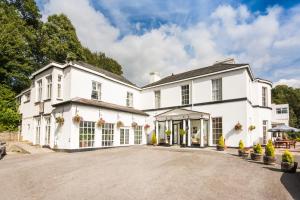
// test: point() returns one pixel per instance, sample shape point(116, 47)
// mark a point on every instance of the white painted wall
point(282, 118)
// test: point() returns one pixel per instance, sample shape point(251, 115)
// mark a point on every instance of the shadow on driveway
point(292, 183)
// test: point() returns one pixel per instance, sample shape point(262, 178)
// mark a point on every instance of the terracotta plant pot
point(288, 167)
point(269, 160)
point(245, 154)
point(220, 148)
point(256, 156)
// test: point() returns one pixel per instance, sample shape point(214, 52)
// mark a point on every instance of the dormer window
point(96, 91)
point(129, 99)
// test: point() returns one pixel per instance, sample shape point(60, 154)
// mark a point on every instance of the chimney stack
point(154, 76)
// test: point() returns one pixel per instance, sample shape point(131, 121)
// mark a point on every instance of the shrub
point(168, 132)
point(257, 149)
point(241, 145)
point(270, 150)
point(221, 142)
point(287, 157)
point(153, 139)
point(298, 139)
point(181, 132)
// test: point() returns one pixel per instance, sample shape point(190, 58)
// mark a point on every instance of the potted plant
point(251, 127)
point(153, 139)
point(269, 157)
point(182, 133)
point(100, 122)
point(241, 148)
point(147, 126)
point(168, 133)
point(60, 120)
point(77, 119)
point(119, 124)
point(238, 127)
point(134, 124)
point(257, 152)
point(288, 163)
point(221, 144)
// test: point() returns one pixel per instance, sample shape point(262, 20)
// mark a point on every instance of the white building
point(280, 114)
point(205, 102)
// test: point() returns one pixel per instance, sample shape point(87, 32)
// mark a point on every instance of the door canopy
point(179, 114)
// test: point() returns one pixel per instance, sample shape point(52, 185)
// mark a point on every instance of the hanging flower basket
point(147, 126)
point(238, 127)
point(60, 120)
point(77, 119)
point(100, 122)
point(134, 124)
point(251, 127)
point(120, 124)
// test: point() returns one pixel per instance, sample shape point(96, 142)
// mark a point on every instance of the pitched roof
point(196, 72)
point(105, 72)
point(102, 104)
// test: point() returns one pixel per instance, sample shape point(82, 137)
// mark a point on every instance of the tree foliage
point(27, 44)
point(282, 94)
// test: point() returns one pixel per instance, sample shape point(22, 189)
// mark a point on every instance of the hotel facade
point(76, 106)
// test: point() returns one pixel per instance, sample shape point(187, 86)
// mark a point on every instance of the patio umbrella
point(283, 128)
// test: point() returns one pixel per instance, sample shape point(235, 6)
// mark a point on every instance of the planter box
point(290, 168)
point(268, 160)
point(220, 148)
point(256, 156)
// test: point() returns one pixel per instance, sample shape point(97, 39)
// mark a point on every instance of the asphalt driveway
point(142, 173)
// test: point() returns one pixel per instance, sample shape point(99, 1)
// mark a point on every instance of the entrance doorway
point(177, 125)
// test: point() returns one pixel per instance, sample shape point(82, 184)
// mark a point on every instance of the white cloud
point(290, 82)
point(266, 41)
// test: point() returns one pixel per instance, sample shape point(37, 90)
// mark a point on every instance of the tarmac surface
point(143, 172)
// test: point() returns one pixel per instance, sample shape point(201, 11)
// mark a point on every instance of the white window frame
point(124, 136)
point(39, 90)
point(265, 128)
point(129, 99)
point(47, 130)
point(108, 135)
point(157, 98)
point(49, 87)
point(217, 89)
point(37, 130)
point(185, 94)
point(27, 96)
point(217, 129)
point(264, 96)
point(59, 87)
point(86, 134)
point(96, 91)
point(138, 134)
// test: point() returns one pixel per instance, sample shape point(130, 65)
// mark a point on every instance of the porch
point(196, 126)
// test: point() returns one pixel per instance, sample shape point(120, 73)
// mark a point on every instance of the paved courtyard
point(142, 173)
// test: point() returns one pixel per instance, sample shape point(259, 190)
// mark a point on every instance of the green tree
point(100, 60)
point(15, 54)
point(9, 117)
point(60, 42)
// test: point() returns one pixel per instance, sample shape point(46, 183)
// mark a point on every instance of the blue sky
point(172, 36)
